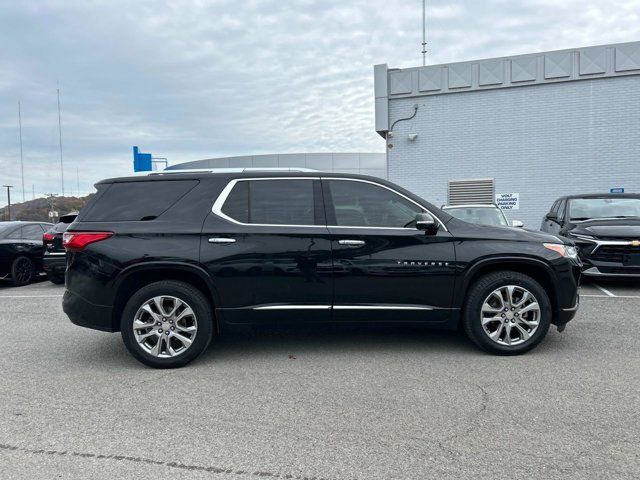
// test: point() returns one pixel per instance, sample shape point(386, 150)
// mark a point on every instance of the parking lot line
point(30, 296)
point(609, 296)
point(604, 290)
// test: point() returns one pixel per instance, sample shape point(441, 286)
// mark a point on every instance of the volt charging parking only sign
point(508, 201)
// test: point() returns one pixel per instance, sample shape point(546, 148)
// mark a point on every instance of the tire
point(22, 271)
point(525, 330)
point(173, 350)
point(55, 278)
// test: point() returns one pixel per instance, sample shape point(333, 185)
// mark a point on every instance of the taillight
point(48, 237)
point(76, 241)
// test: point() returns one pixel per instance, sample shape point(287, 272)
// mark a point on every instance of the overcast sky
point(198, 79)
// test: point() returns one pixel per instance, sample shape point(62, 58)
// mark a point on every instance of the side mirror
point(426, 222)
point(553, 216)
point(517, 224)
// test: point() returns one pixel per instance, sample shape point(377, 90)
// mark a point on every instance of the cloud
point(196, 79)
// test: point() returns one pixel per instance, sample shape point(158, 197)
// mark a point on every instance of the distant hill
point(38, 208)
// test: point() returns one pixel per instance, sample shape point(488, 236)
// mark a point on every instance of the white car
point(481, 215)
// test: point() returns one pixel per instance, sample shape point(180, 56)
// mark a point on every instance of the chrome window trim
point(219, 203)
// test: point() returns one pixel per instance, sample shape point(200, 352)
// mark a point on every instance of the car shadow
point(296, 343)
point(268, 344)
point(5, 283)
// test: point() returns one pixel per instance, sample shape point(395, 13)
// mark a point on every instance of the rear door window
point(32, 232)
point(130, 201)
point(272, 202)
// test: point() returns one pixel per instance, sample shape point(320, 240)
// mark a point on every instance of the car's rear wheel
point(56, 278)
point(22, 271)
point(167, 324)
point(507, 313)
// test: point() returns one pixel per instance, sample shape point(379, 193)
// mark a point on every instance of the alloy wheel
point(165, 326)
point(23, 270)
point(510, 315)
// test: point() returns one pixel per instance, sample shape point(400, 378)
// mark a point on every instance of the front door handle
point(351, 243)
point(222, 240)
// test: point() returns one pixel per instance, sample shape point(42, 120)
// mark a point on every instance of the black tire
point(478, 293)
point(55, 278)
point(186, 293)
point(22, 271)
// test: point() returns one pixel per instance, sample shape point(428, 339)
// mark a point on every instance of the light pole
point(8, 187)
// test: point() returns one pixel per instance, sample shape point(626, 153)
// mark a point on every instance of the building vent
point(461, 192)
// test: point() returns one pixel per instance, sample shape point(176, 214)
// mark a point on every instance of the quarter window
point(359, 204)
point(271, 202)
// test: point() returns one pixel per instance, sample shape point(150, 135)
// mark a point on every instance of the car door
point(32, 242)
point(268, 250)
point(384, 268)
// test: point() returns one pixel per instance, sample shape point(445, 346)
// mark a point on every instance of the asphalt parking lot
point(347, 404)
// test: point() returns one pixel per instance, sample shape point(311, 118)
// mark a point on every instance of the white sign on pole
point(508, 201)
point(53, 214)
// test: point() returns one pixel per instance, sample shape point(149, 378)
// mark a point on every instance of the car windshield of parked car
point(480, 215)
point(588, 208)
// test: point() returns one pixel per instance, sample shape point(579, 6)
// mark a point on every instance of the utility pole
point(8, 187)
point(60, 138)
point(51, 201)
point(33, 191)
point(424, 32)
point(21, 156)
point(78, 179)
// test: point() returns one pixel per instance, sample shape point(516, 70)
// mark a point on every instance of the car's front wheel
point(167, 324)
point(507, 313)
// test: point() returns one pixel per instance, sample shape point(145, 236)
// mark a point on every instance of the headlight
point(566, 251)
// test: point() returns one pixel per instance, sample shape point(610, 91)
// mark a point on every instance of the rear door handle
point(351, 243)
point(222, 240)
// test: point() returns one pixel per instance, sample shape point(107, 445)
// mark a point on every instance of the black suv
point(171, 259)
point(606, 229)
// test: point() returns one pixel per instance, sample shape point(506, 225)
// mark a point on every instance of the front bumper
point(612, 272)
point(86, 314)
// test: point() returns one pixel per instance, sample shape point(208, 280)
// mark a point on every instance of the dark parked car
point(21, 250)
point(171, 259)
point(606, 228)
point(54, 260)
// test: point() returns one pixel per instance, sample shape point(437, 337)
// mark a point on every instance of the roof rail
point(234, 170)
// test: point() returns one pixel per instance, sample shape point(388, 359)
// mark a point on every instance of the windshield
point(587, 208)
point(480, 215)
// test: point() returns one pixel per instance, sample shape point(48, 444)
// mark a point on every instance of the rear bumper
point(85, 314)
point(56, 264)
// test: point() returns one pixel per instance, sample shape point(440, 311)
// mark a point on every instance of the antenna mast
point(21, 157)
point(60, 138)
point(424, 33)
